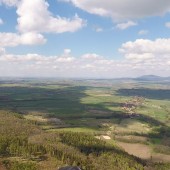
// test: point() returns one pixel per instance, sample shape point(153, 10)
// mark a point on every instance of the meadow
point(132, 115)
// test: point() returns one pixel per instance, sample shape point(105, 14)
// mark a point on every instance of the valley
point(130, 116)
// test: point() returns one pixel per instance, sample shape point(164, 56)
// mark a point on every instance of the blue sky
point(87, 38)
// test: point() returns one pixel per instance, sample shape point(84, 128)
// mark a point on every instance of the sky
point(84, 38)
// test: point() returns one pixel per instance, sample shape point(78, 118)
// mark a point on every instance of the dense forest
point(24, 146)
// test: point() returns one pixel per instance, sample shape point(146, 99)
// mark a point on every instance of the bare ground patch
point(144, 152)
point(139, 150)
point(157, 157)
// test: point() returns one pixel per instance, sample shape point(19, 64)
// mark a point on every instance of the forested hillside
point(24, 146)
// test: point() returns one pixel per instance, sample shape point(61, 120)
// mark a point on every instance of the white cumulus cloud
point(31, 38)
point(34, 16)
point(140, 46)
point(14, 39)
point(123, 9)
point(33, 20)
point(91, 56)
point(87, 65)
point(126, 25)
point(148, 56)
point(139, 57)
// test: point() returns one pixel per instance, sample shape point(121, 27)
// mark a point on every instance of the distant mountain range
point(152, 78)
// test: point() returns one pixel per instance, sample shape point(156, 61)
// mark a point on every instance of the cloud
point(126, 25)
point(2, 51)
point(53, 66)
point(65, 59)
point(31, 38)
point(88, 65)
point(121, 10)
point(10, 2)
point(98, 29)
point(139, 57)
point(143, 32)
point(147, 56)
point(13, 39)
point(1, 21)
point(140, 46)
point(167, 24)
point(91, 56)
point(9, 39)
point(33, 19)
point(33, 22)
point(67, 52)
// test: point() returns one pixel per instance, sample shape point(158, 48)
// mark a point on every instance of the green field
point(127, 113)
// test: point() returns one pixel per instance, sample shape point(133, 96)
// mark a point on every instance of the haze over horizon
point(71, 38)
